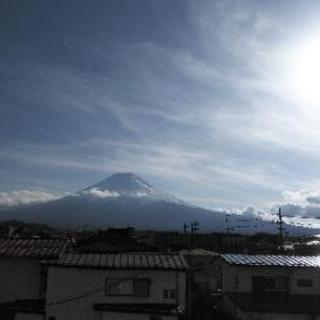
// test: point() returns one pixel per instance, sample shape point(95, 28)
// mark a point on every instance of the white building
point(23, 277)
point(117, 286)
point(259, 287)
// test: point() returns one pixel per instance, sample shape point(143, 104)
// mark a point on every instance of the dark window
point(262, 283)
point(127, 287)
point(304, 283)
point(141, 288)
point(169, 294)
point(119, 287)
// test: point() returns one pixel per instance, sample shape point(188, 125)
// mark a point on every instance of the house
point(259, 287)
point(23, 277)
point(117, 286)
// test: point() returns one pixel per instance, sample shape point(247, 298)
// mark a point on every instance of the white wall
point(19, 279)
point(65, 283)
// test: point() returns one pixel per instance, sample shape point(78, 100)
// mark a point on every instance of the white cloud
point(303, 197)
point(97, 193)
point(14, 198)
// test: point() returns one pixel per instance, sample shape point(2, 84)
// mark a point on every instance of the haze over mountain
point(124, 199)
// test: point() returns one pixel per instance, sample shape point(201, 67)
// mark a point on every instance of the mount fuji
point(124, 199)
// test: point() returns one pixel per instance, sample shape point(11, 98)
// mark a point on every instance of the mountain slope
point(125, 199)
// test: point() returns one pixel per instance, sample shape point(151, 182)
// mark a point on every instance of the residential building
point(259, 287)
point(117, 286)
point(23, 277)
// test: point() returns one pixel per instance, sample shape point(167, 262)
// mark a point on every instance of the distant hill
point(124, 199)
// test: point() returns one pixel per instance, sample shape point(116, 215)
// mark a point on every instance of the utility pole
point(228, 228)
point(185, 233)
point(281, 228)
point(194, 229)
point(194, 226)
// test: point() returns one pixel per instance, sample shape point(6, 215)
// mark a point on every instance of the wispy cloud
point(210, 114)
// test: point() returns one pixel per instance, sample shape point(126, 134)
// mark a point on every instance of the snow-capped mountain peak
point(124, 184)
point(127, 185)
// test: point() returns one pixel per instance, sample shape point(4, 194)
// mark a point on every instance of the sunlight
point(307, 72)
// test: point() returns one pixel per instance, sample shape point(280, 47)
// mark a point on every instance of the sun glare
point(307, 69)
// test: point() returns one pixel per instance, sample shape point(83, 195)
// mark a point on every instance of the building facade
point(259, 287)
point(117, 286)
point(23, 276)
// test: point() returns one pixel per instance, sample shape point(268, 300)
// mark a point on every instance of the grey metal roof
point(32, 248)
point(199, 252)
point(272, 260)
point(139, 260)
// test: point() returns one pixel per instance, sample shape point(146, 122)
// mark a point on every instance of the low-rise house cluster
point(50, 279)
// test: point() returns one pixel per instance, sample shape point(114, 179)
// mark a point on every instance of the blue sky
point(201, 98)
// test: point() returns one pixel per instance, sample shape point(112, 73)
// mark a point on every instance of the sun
point(307, 72)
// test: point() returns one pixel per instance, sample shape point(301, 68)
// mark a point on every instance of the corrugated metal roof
point(32, 248)
point(199, 252)
point(137, 260)
point(272, 260)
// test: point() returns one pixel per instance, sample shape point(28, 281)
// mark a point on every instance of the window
point(119, 287)
point(304, 283)
point(169, 294)
point(127, 287)
point(262, 283)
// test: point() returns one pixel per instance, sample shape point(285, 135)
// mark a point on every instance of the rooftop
point(272, 260)
point(199, 252)
point(32, 248)
point(137, 260)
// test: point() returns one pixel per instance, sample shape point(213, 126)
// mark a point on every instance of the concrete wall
point(19, 279)
point(66, 283)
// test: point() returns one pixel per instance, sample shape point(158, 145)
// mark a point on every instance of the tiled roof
point(139, 260)
point(32, 248)
point(272, 260)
